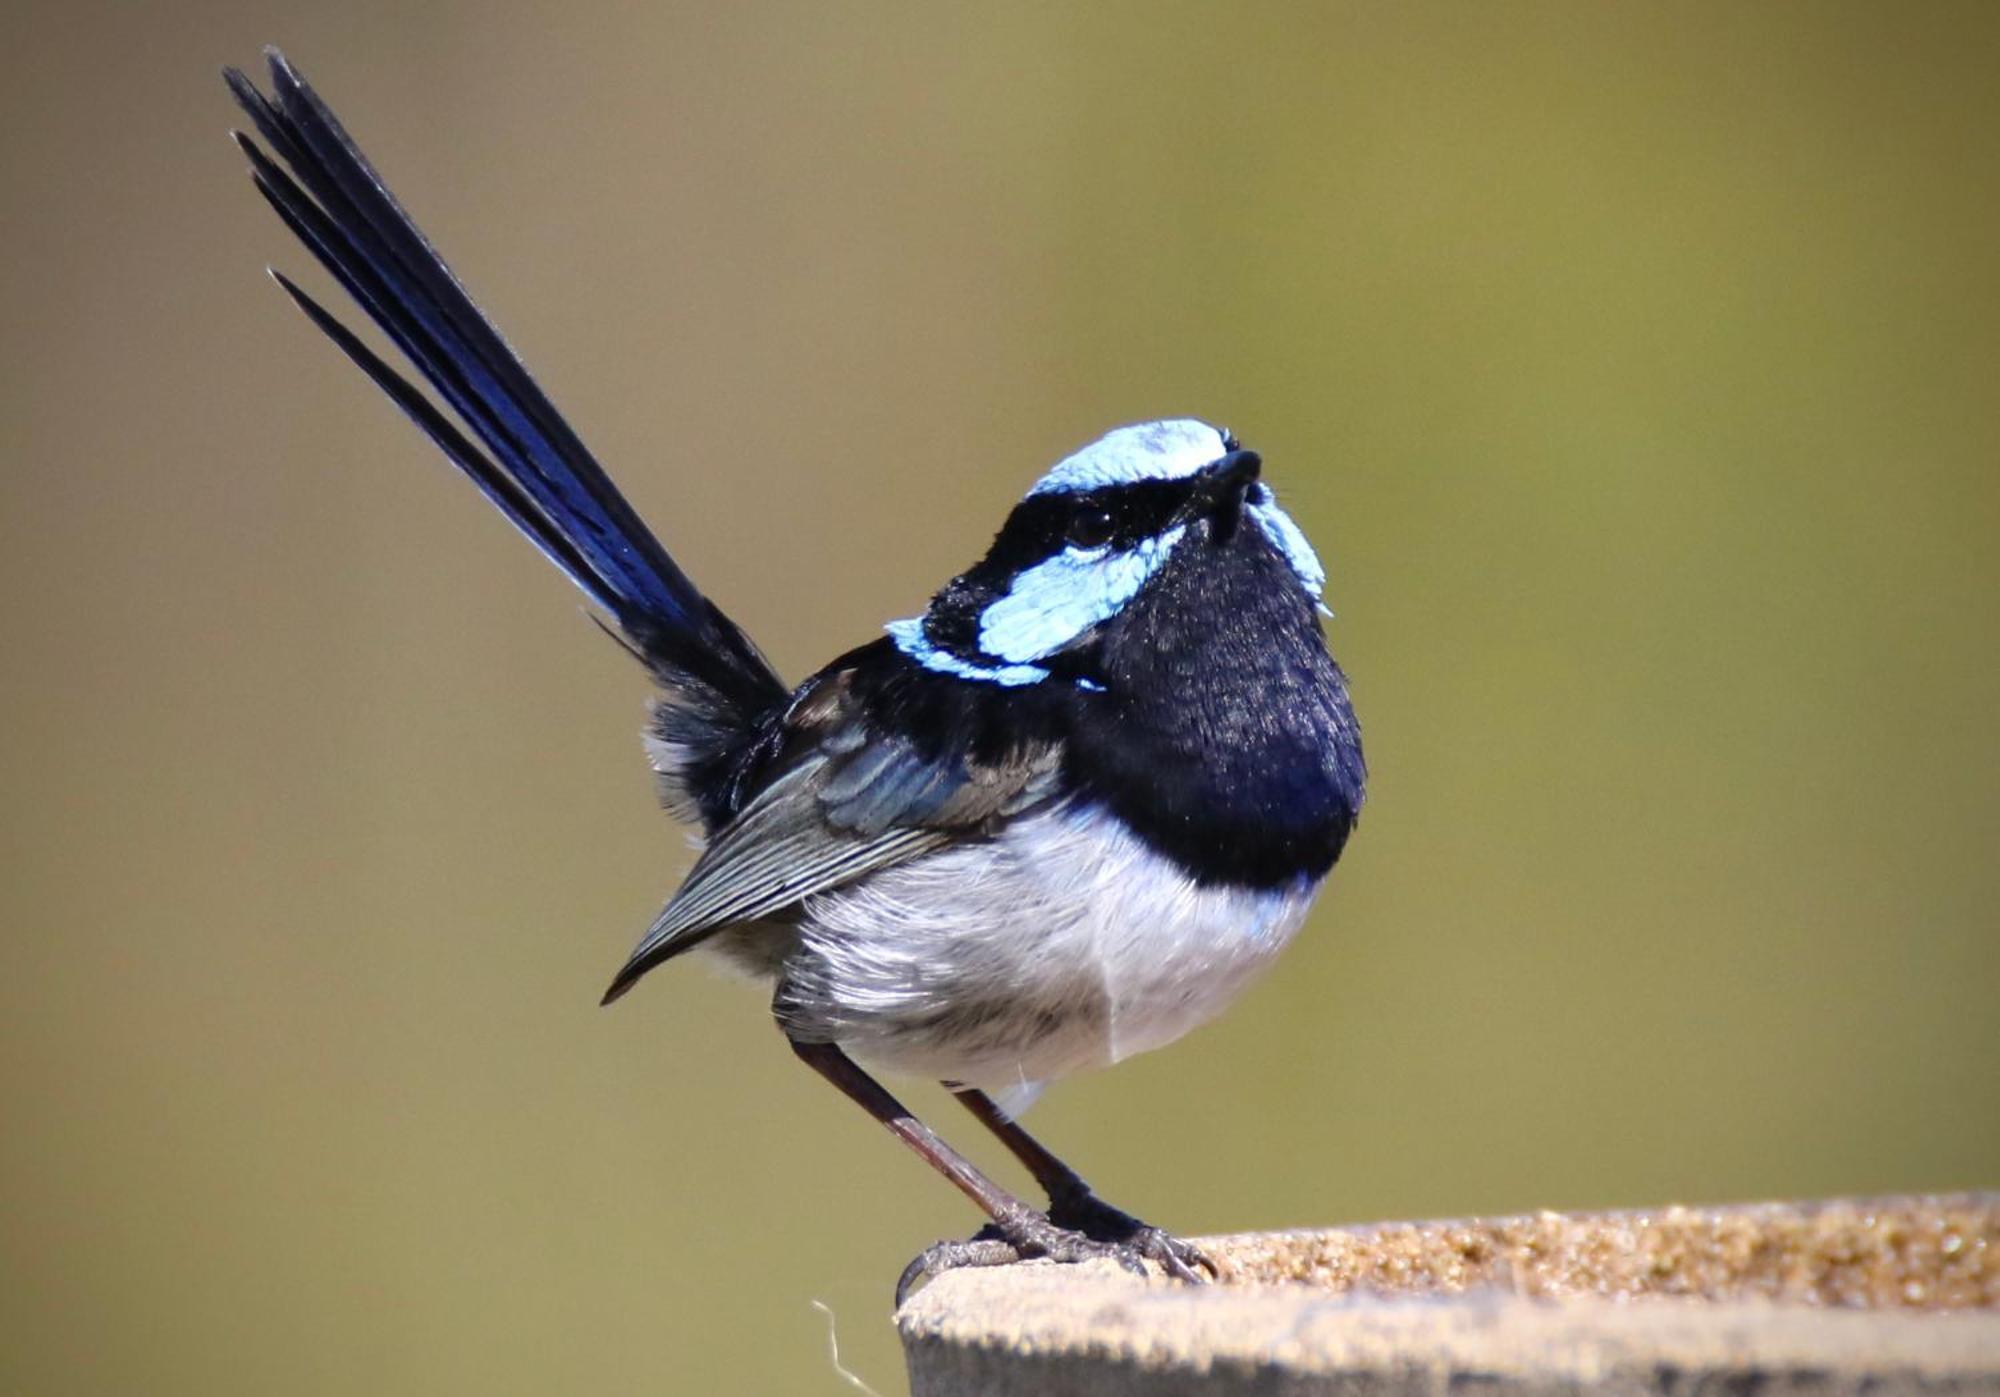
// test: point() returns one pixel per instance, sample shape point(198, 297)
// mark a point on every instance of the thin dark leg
point(840, 1069)
point(1060, 1181)
point(1072, 1204)
point(1017, 1231)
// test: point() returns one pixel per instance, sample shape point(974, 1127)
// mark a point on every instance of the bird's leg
point(1073, 1205)
point(1065, 1187)
point(1017, 1231)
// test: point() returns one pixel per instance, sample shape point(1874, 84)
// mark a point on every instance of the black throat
point(1225, 738)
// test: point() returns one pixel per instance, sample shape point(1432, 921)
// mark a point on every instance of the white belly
point(1061, 945)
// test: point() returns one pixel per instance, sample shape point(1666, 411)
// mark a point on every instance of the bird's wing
point(852, 800)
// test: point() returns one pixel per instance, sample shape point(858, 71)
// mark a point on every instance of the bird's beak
point(1219, 491)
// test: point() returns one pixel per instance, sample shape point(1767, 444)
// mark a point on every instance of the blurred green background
point(1632, 366)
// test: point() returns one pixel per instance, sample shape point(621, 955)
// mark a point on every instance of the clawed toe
point(1087, 1213)
point(939, 1257)
point(1032, 1235)
point(1184, 1261)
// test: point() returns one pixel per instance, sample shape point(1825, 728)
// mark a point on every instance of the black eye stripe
point(1041, 525)
point(1141, 508)
point(1091, 526)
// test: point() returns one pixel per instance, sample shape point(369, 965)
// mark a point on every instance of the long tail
point(533, 467)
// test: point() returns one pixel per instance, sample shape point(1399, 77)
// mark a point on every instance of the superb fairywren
point(1063, 816)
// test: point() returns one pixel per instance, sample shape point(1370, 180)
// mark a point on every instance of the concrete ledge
point(1878, 1297)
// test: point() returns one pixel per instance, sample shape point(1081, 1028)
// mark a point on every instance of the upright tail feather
point(533, 467)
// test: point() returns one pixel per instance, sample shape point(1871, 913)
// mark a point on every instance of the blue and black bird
point(1062, 816)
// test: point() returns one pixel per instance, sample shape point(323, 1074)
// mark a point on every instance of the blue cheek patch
point(1049, 606)
point(1289, 540)
point(911, 640)
point(1054, 602)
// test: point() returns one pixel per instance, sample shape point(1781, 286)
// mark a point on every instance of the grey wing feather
point(846, 809)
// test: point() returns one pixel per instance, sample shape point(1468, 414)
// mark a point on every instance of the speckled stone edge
point(1836, 1299)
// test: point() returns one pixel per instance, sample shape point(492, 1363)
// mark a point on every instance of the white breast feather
point(1061, 945)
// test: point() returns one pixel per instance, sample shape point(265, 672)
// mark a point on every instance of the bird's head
point(1101, 533)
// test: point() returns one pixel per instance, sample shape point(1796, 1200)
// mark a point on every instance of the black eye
point(1258, 493)
point(1090, 527)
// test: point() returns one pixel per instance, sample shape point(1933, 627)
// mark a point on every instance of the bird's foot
point(1111, 1235)
point(1083, 1211)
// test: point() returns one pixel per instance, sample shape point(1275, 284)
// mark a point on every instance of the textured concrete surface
point(1879, 1297)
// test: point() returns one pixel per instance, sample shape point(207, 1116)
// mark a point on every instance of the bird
point(1064, 814)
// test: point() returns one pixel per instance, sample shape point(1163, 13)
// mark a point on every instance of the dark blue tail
point(532, 467)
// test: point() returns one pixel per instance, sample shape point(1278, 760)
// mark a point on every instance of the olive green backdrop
point(1632, 366)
